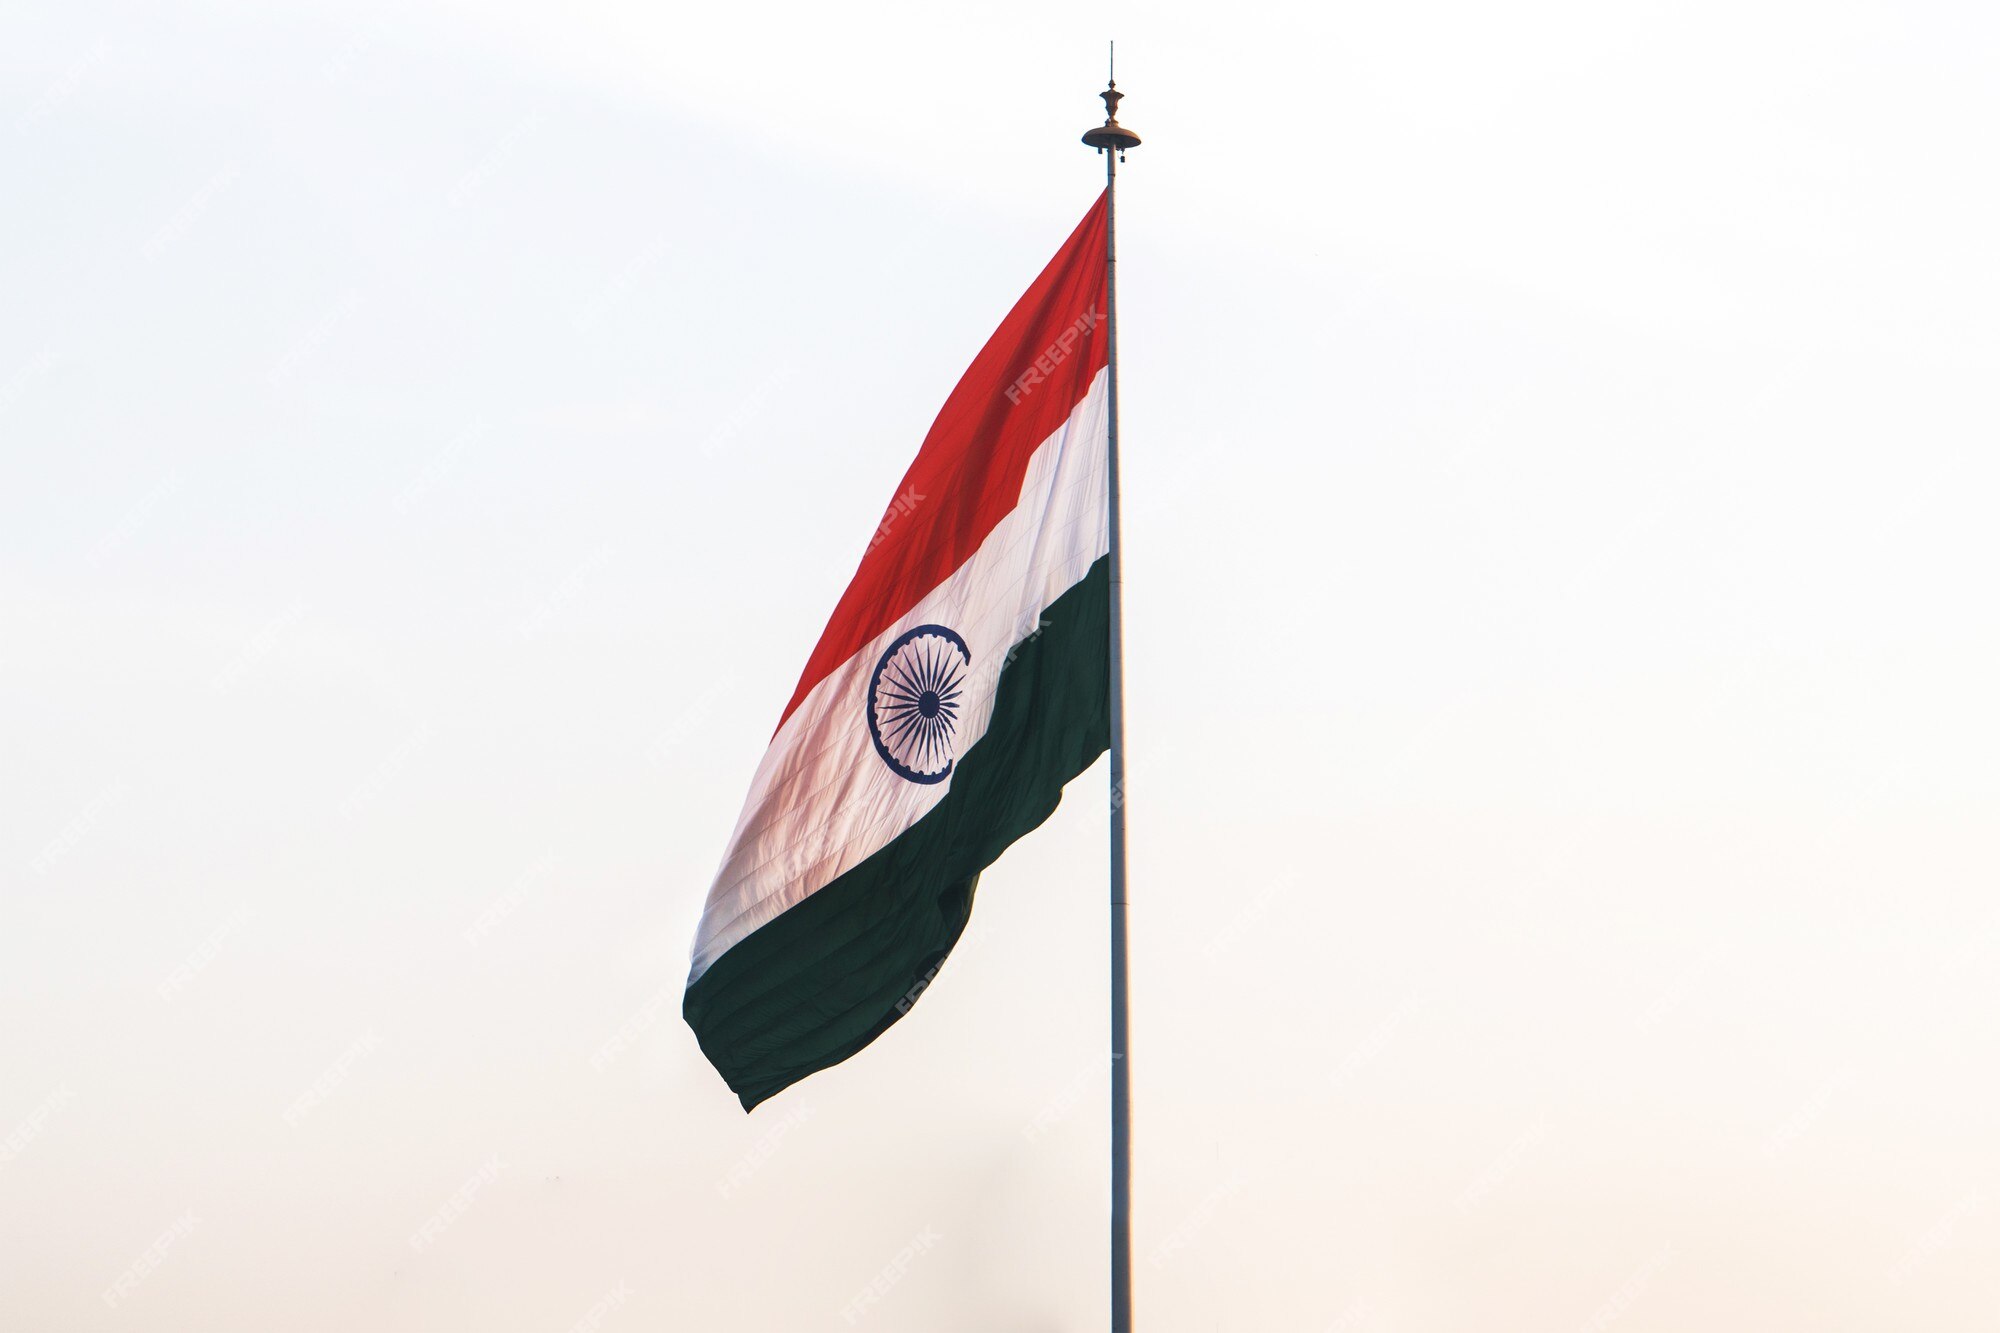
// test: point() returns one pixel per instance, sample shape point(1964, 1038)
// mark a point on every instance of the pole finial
point(1111, 134)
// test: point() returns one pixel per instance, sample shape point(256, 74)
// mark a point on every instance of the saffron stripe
point(1020, 388)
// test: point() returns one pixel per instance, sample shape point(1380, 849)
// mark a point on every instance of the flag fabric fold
point(962, 680)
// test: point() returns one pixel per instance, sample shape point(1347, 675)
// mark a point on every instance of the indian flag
point(962, 680)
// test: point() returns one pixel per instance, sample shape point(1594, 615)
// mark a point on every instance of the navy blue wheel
point(916, 701)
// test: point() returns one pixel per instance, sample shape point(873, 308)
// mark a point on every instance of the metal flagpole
point(1112, 139)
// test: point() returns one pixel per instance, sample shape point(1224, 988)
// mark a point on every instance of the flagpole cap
point(1111, 134)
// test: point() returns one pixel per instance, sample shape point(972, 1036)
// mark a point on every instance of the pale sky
point(1560, 458)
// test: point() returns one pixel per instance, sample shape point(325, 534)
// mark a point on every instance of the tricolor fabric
point(963, 679)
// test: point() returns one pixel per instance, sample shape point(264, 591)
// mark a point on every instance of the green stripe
point(817, 983)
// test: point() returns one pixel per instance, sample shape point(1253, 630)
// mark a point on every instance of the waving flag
point(962, 680)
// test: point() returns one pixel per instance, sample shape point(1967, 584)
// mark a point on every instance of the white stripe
point(823, 801)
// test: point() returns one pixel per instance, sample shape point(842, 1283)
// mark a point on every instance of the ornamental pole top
point(1111, 134)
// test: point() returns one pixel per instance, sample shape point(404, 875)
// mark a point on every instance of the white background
point(1561, 459)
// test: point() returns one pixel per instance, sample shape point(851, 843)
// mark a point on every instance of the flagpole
point(1112, 139)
